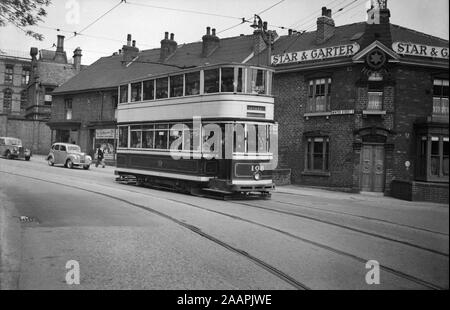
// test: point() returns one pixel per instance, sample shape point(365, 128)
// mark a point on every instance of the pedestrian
point(100, 157)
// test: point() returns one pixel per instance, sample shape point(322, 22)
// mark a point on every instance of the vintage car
point(12, 148)
point(69, 155)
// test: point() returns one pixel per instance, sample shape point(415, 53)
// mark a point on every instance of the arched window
point(7, 100)
point(23, 100)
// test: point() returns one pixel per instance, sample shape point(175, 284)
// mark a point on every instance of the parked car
point(69, 155)
point(12, 148)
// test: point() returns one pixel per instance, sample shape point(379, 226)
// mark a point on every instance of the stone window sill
point(317, 114)
point(370, 112)
point(317, 173)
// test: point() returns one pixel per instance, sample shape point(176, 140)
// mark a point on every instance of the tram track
point(273, 270)
point(361, 231)
point(269, 268)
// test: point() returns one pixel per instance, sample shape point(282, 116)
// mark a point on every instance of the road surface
point(129, 237)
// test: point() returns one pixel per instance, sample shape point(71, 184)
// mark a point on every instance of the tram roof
point(109, 72)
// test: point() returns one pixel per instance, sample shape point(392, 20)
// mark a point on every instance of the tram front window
point(162, 86)
point(227, 84)
point(211, 81)
point(192, 83)
point(257, 81)
point(239, 79)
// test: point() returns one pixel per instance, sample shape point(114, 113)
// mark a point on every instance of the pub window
point(136, 89)
point(176, 85)
point(7, 100)
point(136, 137)
point(123, 93)
point(25, 76)
point(227, 83)
point(432, 158)
point(9, 73)
point(317, 154)
point(162, 86)
point(192, 83)
point(440, 97)
point(257, 81)
point(319, 94)
point(23, 100)
point(149, 90)
point(375, 97)
point(123, 136)
point(68, 108)
point(211, 81)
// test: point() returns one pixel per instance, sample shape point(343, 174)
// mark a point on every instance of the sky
point(147, 21)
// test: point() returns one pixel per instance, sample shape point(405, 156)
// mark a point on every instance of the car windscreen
point(14, 142)
point(73, 148)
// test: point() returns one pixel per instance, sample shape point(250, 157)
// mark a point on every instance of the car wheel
point(69, 164)
point(51, 161)
point(8, 155)
point(27, 158)
point(86, 167)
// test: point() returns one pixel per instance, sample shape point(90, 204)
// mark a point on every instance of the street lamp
point(266, 35)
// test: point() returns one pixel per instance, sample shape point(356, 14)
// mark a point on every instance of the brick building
point(15, 68)
point(49, 69)
point(364, 107)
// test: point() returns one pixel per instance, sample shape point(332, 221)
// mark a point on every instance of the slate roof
point(108, 72)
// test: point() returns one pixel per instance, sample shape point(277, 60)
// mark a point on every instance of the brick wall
point(420, 191)
point(34, 134)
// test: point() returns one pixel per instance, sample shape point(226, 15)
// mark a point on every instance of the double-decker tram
point(207, 129)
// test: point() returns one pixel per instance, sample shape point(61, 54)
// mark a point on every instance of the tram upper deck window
point(192, 81)
point(227, 83)
point(176, 85)
point(211, 81)
point(256, 81)
point(136, 90)
point(162, 87)
point(123, 93)
point(149, 90)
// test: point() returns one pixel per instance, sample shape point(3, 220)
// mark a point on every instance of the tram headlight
point(257, 176)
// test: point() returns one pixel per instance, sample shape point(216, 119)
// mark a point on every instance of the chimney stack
point(129, 51)
point(210, 42)
point(378, 24)
point(60, 44)
point(325, 26)
point(168, 46)
point(60, 54)
point(77, 58)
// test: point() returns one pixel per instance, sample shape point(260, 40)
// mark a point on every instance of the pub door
point(372, 168)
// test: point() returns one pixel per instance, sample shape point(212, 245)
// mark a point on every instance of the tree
point(23, 13)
